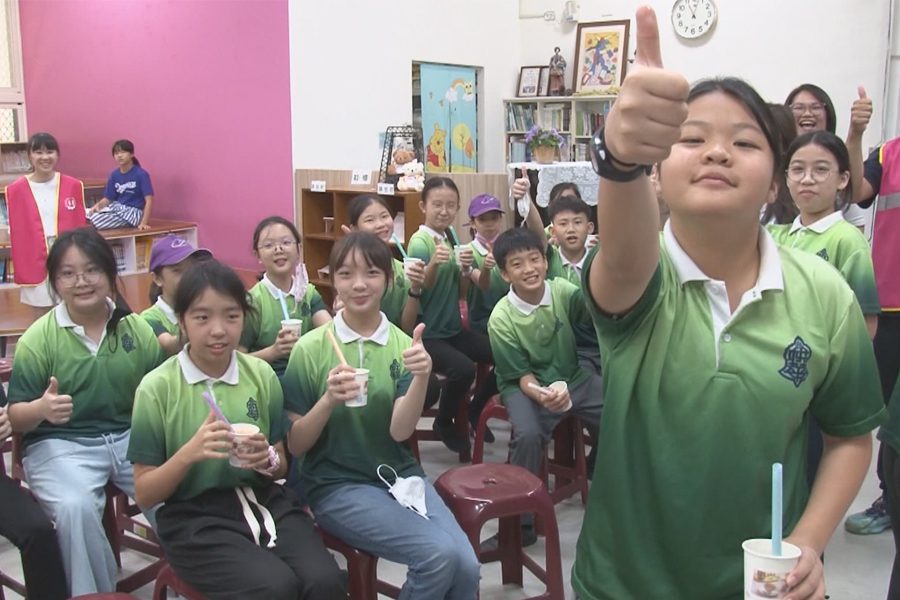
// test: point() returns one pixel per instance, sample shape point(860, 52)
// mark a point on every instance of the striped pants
point(117, 215)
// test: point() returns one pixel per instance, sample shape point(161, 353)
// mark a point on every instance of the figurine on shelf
point(557, 86)
point(412, 177)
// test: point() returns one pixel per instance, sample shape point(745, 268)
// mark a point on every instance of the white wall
point(774, 44)
point(351, 64)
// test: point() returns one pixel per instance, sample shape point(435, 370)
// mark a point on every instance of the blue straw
point(210, 399)
point(399, 246)
point(284, 308)
point(776, 509)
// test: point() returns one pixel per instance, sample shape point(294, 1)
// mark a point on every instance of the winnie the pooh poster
point(449, 118)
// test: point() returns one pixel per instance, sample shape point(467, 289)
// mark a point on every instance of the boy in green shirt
point(534, 345)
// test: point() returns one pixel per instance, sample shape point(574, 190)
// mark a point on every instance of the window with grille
point(12, 92)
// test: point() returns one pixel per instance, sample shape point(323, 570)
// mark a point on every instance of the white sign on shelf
point(386, 188)
point(317, 185)
point(361, 177)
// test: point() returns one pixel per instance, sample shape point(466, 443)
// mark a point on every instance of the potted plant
point(544, 144)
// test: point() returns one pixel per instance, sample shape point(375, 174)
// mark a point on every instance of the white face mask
point(408, 491)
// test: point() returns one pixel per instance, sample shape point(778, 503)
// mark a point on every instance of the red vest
point(26, 232)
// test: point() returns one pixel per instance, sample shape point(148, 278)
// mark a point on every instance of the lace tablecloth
point(580, 173)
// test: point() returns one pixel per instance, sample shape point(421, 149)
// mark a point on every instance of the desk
point(16, 317)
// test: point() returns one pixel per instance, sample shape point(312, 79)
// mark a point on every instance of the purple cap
point(171, 250)
point(484, 203)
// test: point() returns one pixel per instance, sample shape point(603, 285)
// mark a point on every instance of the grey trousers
point(533, 424)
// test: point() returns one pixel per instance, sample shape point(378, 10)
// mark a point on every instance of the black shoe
point(591, 462)
point(447, 433)
point(529, 537)
point(488, 434)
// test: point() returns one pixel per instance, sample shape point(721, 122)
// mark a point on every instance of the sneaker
point(446, 432)
point(874, 519)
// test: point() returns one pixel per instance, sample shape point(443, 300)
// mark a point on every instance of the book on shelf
point(518, 150)
point(556, 116)
point(520, 117)
point(119, 252)
point(581, 152)
point(591, 122)
point(143, 247)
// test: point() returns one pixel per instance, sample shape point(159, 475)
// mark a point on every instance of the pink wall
point(202, 88)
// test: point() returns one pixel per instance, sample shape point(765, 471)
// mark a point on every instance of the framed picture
point(601, 51)
point(529, 80)
point(544, 82)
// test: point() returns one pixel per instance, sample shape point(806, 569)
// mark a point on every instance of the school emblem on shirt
point(395, 370)
point(252, 409)
point(796, 359)
point(823, 253)
point(557, 326)
point(127, 342)
point(70, 203)
point(304, 309)
point(398, 282)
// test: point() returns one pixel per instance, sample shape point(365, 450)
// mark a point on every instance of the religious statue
point(557, 85)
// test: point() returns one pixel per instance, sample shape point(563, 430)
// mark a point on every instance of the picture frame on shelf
point(544, 82)
point(601, 51)
point(529, 82)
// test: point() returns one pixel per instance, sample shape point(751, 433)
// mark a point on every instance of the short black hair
point(374, 251)
point(568, 204)
point(274, 220)
point(209, 274)
point(42, 141)
point(517, 239)
point(359, 204)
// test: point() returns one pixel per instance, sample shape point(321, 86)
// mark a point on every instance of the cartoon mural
point(449, 118)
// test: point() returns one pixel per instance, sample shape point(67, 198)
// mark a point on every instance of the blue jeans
point(68, 476)
point(442, 564)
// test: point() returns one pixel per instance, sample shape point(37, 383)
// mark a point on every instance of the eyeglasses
point(799, 108)
point(91, 275)
point(818, 174)
point(270, 246)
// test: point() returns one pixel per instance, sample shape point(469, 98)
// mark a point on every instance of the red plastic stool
point(362, 569)
point(477, 493)
point(568, 465)
point(166, 580)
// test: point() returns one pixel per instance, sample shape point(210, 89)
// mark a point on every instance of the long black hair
point(98, 251)
point(359, 204)
point(820, 95)
point(373, 250)
point(209, 274)
point(782, 210)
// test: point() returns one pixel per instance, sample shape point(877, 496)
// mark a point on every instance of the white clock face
point(693, 18)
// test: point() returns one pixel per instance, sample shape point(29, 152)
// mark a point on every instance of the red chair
point(478, 493)
point(568, 465)
point(362, 569)
point(166, 580)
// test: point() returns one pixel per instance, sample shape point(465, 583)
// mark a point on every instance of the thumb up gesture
point(415, 358)
point(860, 112)
point(56, 408)
point(646, 118)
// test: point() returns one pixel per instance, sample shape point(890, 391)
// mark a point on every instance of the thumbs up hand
point(415, 358)
point(56, 408)
point(860, 112)
point(646, 118)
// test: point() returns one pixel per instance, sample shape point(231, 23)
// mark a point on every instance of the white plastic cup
point(240, 448)
point(294, 325)
point(765, 575)
point(561, 386)
point(409, 262)
point(591, 240)
point(362, 378)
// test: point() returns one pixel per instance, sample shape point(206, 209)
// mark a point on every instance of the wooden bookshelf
point(315, 207)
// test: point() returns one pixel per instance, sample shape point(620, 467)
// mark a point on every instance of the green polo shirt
point(843, 246)
point(169, 408)
point(101, 379)
point(541, 342)
point(394, 298)
point(557, 266)
point(482, 302)
point(692, 422)
point(262, 326)
point(439, 306)
point(356, 439)
point(161, 318)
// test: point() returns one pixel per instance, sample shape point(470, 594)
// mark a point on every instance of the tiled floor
point(857, 568)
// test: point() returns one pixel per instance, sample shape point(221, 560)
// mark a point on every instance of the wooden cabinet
point(323, 213)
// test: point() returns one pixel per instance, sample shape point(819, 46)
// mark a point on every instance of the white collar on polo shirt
point(166, 310)
point(432, 232)
point(770, 277)
point(347, 335)
point(64, 319)
point(527, 308)
point(820, 226)
point(193, 374)
point(568, 263)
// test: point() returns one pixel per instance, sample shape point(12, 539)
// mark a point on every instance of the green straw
point(399, 245)
point(454, 236)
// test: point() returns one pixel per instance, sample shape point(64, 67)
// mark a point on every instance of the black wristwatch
point(602, 161)
point(412, 295)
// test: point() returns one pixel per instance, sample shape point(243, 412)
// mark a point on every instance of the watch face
point(693, 18)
